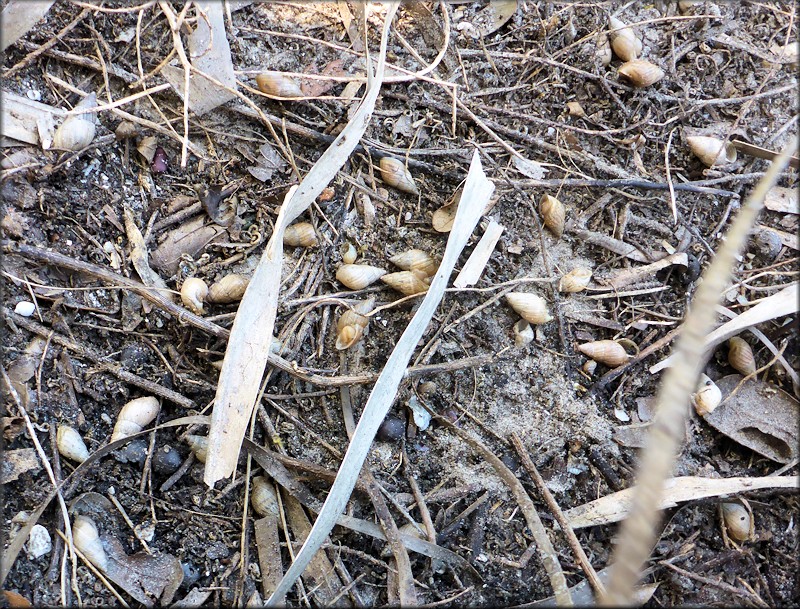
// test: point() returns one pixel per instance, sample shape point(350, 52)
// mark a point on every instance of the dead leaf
point(493, 17)
point(17, 462)
point(267, 164)
point(784, 200)
point(12, 427)
point(316, 87)
point(188, 238)
point(759, 416)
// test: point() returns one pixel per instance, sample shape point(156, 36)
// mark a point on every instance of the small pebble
point(392, 429)
point(39, 542)
point(24, 308)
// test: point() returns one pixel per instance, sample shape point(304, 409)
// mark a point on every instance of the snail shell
point(199, 446)
point(71, 445)
point(553, 214)
point(352, 324)
point(641, 73)
point(608, 352)
point(589, 367)
point(708, 397)
point(603, 51)
point(415, 260)
point(134, 416)
point(348, 252)
point(575, 281)
point(523, 333)
point(77, 131)
point(407, 282)
point(531, 308)
point(624, 42)
point(301, 234)
point(263, 497)
point(741, 357)
point(358, 276)
point(710, 150)
point(230, 288)
point(87, 540)
point(738, 521)
point(193, 294)
point(394, 173)
point(277, 84)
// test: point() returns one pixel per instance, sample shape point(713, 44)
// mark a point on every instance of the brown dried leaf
point(759, 416)
point(188, 238)
point(17, 462)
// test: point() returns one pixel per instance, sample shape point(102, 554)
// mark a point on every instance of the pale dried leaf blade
point(18, 17)
point(251, 335)
point(473, 267)
point(28, 121)
point(785, 200)
point(477, 192)
point(614, 507)
point(530, 169)
point(209, 53)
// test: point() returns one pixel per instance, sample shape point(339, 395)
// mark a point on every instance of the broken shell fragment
point(70, 444)
point(77, 131)
point(134, 416)
point(277, 84)
point(87, 541)
point(523, 333)
point(710, 150)
point(358, 276)
point(415, 260)
point(531, 308)
point(199, 446)
point(352, 324)
point(230, 288)
point(407, 282)
point(608, 352)
point(624, 42)
point(193, 294)
point(589, 367)
point(301, 234)
point(641, 73)
point(575, 281)
point(395, 174)
point(738, 521)
point(263, 497)
point(708, 396)
point(553, 214)
point(740, 356)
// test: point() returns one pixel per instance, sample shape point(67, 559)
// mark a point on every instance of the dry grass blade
point(638, 532)
point(248, 351)
point(477, 191)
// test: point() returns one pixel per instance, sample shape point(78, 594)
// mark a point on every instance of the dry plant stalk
point(638, 532)
point(251, 336)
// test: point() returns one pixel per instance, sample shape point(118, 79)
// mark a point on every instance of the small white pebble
point(24, 308)
point(39, 542)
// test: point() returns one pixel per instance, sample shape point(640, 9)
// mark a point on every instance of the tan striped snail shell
point(352, 324)
point(230, 288)
point(608, 352)
point(740, 356)
point(531, 308)
point(707, 397)
point(263, 497)
point(134, 416)
point(77, 131)
point(358, 276)
point(71, 445)
point(407, 282)
point(415, 260)
point(193, 294)
point(575, 281)
point(395, 174)
point(641, 73)
point(553, 214)
point(624, 42)
point(278, 84)
point(87, 540)
point(711, 150)
point(199, 446)
point(301, 234)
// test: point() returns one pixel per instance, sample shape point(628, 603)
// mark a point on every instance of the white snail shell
point(523, 333)
point(87, 540)
point(193, 294)
point(358, 276)
point(415, 260)
point(641, 73)
point(77, 131)
point(608, 352)
point(395, 174)
point(531, 308)
point(710, 150)
point(553, 214)
point(301, 234)
point(624, 42)
point(349, 253)
point(738, 521)
point(277, 84)
point(407, 282)
point(708, 396)
point(70, 444)
point(575, 281)
point(134, 416)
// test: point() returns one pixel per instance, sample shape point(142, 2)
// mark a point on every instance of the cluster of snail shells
point(195, 292)
point(352, 325)
point(628, 47)
point(134, 416)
